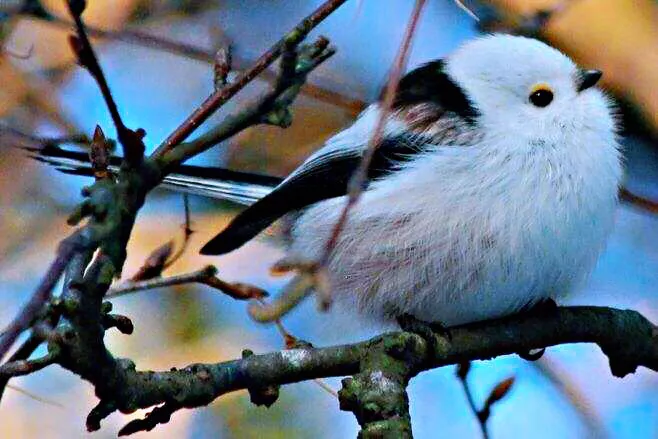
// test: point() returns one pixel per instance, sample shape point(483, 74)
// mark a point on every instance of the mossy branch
point(382, 366)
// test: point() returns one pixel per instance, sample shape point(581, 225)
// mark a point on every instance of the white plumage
point(466, 233)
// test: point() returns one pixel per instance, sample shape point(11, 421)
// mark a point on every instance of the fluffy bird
point(493, 190)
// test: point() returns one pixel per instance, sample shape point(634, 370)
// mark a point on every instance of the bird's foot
point(545, 307)
point(428, 331)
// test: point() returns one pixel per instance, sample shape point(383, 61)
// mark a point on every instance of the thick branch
point(628, 339)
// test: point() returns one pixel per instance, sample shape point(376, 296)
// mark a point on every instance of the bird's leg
point(545, 307)
point(428, 331)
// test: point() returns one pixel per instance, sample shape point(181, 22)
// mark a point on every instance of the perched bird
point(493, 190)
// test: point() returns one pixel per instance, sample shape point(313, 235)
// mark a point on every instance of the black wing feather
point(328, 179)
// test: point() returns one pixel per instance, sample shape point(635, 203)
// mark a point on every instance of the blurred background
point(570, 393)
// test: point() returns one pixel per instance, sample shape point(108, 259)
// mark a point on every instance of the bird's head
point(522, 88)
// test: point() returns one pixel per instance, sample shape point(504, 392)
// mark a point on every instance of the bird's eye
point(541, 95)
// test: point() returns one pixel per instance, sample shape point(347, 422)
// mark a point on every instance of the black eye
point(541, 97)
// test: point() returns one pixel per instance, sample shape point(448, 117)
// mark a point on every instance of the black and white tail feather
point(220, 183)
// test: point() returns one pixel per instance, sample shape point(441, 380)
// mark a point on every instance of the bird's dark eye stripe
point(541, 98)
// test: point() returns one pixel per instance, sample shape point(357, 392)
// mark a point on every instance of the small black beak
point(587, 79)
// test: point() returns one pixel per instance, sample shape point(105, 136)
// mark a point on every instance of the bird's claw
point(428, 331)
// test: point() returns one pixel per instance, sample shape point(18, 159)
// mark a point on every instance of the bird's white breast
point(470, 233)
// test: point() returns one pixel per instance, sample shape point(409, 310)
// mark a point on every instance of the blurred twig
point(358, 179)
point(462, 373)
point(35, 397)
point(187, 233)
point(640, 202)
point(137, 37)
point(496, 394)
point(30, 311)
point(574, 395)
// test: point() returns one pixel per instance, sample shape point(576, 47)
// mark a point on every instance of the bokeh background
point(570, 393)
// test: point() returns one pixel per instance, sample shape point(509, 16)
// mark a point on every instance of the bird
point(492, 190)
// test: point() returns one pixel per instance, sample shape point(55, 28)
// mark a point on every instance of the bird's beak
point(587, 79)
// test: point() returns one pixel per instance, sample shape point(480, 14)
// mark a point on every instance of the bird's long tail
point(239, 187)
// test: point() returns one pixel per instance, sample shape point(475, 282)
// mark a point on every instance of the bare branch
point(358, 179)
point(137, 37)
point(270, 108)
point(133, 147)
point(42, 295)
point(626, 337)
point(640, 202)
point(206, 276)
point(24, 367)
point(221, 96)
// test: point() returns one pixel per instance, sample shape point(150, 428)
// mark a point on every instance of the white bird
point(494, 189)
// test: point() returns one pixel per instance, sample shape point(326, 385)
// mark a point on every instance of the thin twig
point(144, 39)
point(187, 233)
point(205, 276)
point(326, 387)
point(464, 8)
point(220, 97)
point(497, 394)
point(22, 353)
point(35, 397)
point(129, 139)
point(271, 108)
point(25, 367)
point(359, 177)
point(640, 202)
point(462, 373)
point(42, 295)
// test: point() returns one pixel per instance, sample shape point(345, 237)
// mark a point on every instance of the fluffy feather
point(466, 233)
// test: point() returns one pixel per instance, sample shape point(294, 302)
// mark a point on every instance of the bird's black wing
point(326, 174)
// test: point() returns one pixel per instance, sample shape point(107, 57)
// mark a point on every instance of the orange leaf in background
point(619, 37)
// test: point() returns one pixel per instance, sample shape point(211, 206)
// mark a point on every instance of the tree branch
point(31, 310)
point(206, 276)
point(626, 337)
point(133, 36)
point(221, 96)
point(133, 147)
